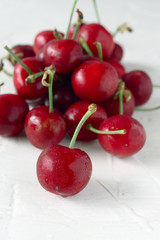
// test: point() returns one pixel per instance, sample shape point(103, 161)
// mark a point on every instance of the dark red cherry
point(30, 91)
point(122, 145)
point(94, 81)
point(13, 110)
point(112, 105)
point(97, 33)
point(118, 66)
point(140, 84)
point(74, 114)
point(42, 38)
point(117, 53)
point(63, 171)
point(88, 58)
point(65, 54)
point(21, 51)
point(43, 128)
point(72, 29)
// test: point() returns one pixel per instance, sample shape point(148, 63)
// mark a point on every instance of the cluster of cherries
point(93, 98)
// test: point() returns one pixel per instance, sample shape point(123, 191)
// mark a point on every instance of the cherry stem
point(85, 46)
point(33, 77)
point(96, 11)
point(92, 129)
point(156, 85)
point(2, 68)
point(1, 84)
point(18, 60)
point(122, 28)
point(147, 109)
point(69, 24)
point(99, 49)
point(92, 108)
point(49, 72)
point(78, 24)
point(121, 90)
point(57, 34)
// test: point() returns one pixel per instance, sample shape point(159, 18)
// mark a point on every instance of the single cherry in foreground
point(13, 110)
point(140, 84)
point(65, 171)
point(122, 145)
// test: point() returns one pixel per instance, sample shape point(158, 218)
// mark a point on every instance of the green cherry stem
point(18, 60)
point(2, 68)
point(78, 24)
point(96, 11)
point(57, 34)
point(69, 24)
point(49, 73)
point(121, 90)
point(122, 28)
point(146, 109)
point(92, 108)
point(92, 129)
point(85, 46)
point(156, 85)
point(99, 49)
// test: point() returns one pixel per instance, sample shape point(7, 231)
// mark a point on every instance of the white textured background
point(122, 200)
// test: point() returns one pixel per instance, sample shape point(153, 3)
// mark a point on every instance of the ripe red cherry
point(74, 114)
point(117, 53)
point(94, 81)
point(21, 51)
point(97, 33)
point(122, 145)
point(43, 128)
point(112, 105)
point(63, 171)
point(118, 66)
point(13, 110)
point(65, 54)
point(42, 38)
point(30, 91)
point(140, 84)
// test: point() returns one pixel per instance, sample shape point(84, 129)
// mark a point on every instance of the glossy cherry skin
point(13, 110)
point(74, 114)
point(42, 38)
point(65, 54)
point(29, 91)
point(94, 81)
point(118, 66)
point(111, 106)
point(140, 84)
point(72, 29)
point(117, 53)
point(63, 171)
point(97, 33)
point(122, 145)
point(43, 128)
point(23, 51)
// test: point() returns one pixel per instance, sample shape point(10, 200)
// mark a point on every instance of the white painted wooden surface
point(122, 200)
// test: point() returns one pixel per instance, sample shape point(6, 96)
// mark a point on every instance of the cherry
point(43, 125)
point(97, 33)
point(65, 54)
point(42, 38)
point(21, 51)
point(112, 105)
point(117, 53)
point(140, 84)
point(13, 110)
point(75, 112)
point(94, 81)
point(118, 66)
point(65, 171)
point(122, 145)
point(29, 91)
point(44, 128)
